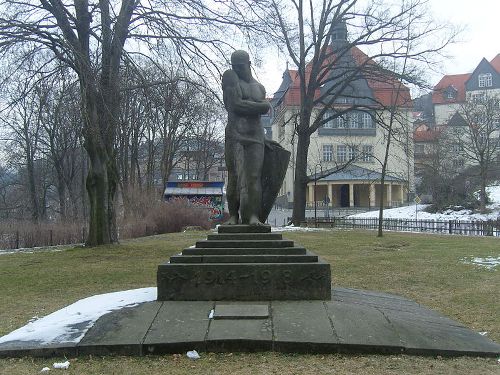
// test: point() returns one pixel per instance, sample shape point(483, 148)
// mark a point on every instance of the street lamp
point(315, 200)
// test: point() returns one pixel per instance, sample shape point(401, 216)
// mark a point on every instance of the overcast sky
point(481, 38)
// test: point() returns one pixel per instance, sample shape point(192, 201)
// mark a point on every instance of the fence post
point(449, 227)
point(17, 239)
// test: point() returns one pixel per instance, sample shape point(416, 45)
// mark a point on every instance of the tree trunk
point(300, 187)
point(101, 188)
point(102, 177)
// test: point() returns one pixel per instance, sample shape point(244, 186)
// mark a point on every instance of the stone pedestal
point(244, 263)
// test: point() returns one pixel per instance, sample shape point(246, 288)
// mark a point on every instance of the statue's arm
point(233, 98)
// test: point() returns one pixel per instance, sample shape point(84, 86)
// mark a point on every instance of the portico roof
point(353, 173)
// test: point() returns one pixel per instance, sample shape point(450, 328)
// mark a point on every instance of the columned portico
point(344, 189)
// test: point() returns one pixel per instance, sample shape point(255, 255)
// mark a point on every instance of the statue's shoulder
point(230, 78)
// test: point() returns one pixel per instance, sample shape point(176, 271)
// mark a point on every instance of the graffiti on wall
point(213, 202)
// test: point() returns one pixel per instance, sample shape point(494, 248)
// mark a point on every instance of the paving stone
point(37, 349)
point(302, 326)
point(178, 326)
point(362, 325)
point(120, 332)
point(241, 311)
point(424, 337)
point(249, 330)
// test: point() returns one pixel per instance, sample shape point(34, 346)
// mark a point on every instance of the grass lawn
point(425, 268)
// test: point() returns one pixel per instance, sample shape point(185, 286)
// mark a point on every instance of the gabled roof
point(495, 63)
point(383, 86)
point(456, 81)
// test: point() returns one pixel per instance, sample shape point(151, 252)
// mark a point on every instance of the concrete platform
point(354, 321)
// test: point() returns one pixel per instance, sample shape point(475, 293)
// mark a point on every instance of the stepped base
point(244, 263)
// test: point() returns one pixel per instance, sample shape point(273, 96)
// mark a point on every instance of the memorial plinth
point(244, 263)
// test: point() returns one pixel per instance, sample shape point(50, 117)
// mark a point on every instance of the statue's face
point(242, 69)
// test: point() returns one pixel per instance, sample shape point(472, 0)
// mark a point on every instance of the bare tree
point(330, 67)
point(476, 136)
point(90, 38)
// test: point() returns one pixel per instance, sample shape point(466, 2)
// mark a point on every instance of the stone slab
point(244, 281)
point(244, 228)
point(120, 332)
point(241, 311)
point(244, 243)
point(37, 349)
point(302, 326)
point(420, 336)
point(309, 258)
point(296, 250)
point(244, 236)
point(240, 335)
point(362, 325)
point(293, 326)
point(178, 326)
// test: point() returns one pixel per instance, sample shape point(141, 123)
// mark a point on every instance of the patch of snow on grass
point(291, 228)
point(488, 262)
point(417, 211)
point(72, 322)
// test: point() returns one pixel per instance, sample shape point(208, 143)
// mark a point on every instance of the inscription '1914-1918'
point(262, 278)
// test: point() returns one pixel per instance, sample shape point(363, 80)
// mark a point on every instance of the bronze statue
point(245, 102)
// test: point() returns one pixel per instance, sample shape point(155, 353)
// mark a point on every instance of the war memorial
point(246, 288)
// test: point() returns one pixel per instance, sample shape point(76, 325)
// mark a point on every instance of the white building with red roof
point(355, 139)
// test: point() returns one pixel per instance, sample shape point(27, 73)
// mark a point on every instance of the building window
point(341, 122)
point(351, 152)
point(458, 163)
point(367, 120)
point(179, 176)
point(327, 152)
point(419, 149)
point(496, 123)
point(341, 153)
point(485, 80)
point(329, 124)
point(367, 155)
point(478, 97)
point(450, 94)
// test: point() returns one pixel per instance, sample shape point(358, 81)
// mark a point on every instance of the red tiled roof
point(384, 90)
point(457, 81)
point(496, 63)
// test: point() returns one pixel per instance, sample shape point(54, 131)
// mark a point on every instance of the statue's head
point(240, 62)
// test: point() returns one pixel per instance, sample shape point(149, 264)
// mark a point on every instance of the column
point(389, 195)
point(310, 187)
point(330, 193)
point(351, 195)
point(372, 195)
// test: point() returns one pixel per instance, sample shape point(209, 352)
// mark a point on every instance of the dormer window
point(485, 80)
point(450, 93)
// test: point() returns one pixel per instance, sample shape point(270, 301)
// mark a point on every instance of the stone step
point(244, 228)
point(244, 243)
point(308, 258)
point(244, 236)
point(292, 250)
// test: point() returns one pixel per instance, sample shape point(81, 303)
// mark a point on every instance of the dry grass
point(425, 268)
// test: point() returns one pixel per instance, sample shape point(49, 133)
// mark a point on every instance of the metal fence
point(469, 228)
